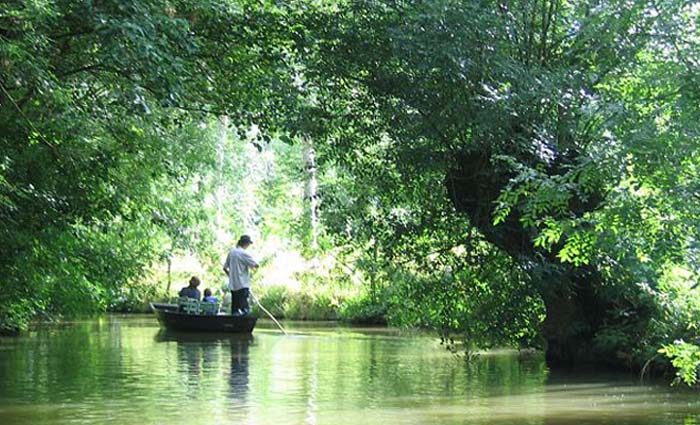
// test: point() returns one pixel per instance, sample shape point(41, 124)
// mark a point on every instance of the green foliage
point(104, 143)
point(489, 303)
point(134, 297)
point(476, 160)
point(685, 358)
point(274, 299)
point(299, 304)
point(307, 306)
point(557, 132)
point(365, 309)
point(677, 323)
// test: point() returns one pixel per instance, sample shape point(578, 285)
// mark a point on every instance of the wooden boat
point(164, 306)
point(171, 318)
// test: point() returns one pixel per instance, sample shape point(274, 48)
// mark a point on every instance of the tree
point(551, 126)
point(99, 105)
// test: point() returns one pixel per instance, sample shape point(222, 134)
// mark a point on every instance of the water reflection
point(200, 357)
point(196, 353)
point(127, 371)
point(238, 374)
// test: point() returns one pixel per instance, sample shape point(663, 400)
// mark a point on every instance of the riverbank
point(280, 301)
point(284, 303)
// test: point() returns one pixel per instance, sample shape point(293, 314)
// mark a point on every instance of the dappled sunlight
point(283, 269)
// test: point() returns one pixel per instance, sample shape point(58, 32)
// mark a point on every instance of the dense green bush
point(364, 309)
point(320, 304)
point(78, 271)
point(274, 299)
point(685, 358)
point(678, 321)
point(311, 306)
point(134, 297)
point(327, 302)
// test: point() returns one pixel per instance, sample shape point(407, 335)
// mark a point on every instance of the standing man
point(237, 267)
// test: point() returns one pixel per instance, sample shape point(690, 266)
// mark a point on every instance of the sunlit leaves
point(685, 358)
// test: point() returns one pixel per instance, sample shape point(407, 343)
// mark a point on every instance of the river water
point(125, 370)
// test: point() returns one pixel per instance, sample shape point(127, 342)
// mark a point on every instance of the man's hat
point(245, 239)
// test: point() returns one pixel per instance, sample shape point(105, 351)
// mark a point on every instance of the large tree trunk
point(576, 306)
point(576, 310)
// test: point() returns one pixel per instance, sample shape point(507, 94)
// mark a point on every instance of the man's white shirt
point(239, 263)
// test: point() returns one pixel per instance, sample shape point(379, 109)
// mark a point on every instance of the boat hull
point(170, 318)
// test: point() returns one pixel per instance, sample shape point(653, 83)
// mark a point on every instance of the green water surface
point(125, 370)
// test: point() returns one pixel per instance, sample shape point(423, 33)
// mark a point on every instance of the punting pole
point(268, 313)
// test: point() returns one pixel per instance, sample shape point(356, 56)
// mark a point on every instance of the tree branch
point(29, 122)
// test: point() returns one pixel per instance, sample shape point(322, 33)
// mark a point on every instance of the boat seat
point(188, 305)
point(181, 303)
point(209, 309)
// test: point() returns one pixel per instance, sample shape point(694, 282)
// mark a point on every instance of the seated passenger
point(208, 298)
point(191, 291)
